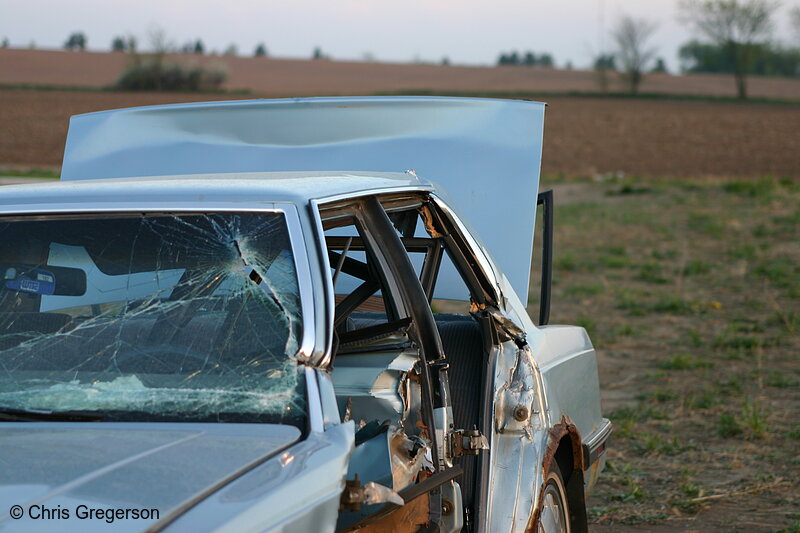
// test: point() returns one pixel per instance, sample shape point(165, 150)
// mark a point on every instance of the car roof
point(246, 188)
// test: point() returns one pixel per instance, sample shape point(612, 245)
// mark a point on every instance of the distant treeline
point(527, 58)
point(761, 59)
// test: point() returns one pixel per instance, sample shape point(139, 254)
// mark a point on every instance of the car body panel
point(135, 465)
point(478, 149)
point(296, 490)
point(567, 358)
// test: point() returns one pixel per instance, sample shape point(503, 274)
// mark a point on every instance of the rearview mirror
point(46, 280)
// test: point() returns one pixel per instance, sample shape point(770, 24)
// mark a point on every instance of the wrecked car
point(254, 316)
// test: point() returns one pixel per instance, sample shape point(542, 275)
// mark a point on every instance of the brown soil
point(583, 136)
point(284, 77)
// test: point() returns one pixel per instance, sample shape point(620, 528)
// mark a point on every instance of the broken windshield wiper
point(34, 415)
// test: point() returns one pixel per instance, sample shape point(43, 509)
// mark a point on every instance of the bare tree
point(630, 37)
point(159, 42)
point(794, 19)
point(736, 25)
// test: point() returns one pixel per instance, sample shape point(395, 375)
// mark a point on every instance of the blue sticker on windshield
point(34, 281)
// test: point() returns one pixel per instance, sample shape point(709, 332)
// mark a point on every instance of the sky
point(471, 32)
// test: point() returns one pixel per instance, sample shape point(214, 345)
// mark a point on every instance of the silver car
point(253, 316)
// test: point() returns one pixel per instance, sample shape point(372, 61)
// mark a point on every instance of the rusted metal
point(557, 432)
point(431, 222)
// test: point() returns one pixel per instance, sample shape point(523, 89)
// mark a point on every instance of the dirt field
point(282, 77)
point(583, 136)
point(691, 292)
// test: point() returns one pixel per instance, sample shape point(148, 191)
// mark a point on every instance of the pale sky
point(465, 31)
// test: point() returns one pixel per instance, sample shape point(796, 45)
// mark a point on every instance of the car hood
point(123, 465)
point(486, 153)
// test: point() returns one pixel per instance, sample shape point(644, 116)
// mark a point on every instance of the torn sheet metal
point(373, 384)
point(517, 403)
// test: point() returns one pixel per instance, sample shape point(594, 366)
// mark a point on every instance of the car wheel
point(554, 517)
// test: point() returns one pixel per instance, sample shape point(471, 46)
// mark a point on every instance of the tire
point(554, 516)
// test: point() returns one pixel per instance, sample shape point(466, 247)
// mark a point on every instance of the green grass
point(743, 251)
point(566, 262)
point(685, 361)
point(85, 88)
point(754, 418)
point(675, 305)
point(728, 426)
point(584, 290)
point(706, 223)
point(701, 399)
point(652, 273)
point(781, 272)
point(31, 173)
point(696, 267)
point(543, 95)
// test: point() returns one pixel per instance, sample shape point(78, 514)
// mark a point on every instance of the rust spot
point(557, 432)
point(429, 223)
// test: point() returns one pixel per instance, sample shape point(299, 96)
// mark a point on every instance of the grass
point(761, 188)
point(691, 299)
point(685, 361)
point(85, 88)
point(584, 290)
point(30, 173)
point(588, 94)
point(754, 418)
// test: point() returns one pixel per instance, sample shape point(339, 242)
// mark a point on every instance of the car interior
point(375, 360)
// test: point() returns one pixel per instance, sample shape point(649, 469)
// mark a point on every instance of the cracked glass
point(162, 317)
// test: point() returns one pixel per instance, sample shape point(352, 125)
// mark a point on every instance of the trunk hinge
point(466, 442)
point(507, 326)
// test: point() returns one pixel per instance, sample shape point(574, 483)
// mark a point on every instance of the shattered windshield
point(151, 317)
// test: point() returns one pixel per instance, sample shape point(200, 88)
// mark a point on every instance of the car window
point(365, 313)
point(151, 317)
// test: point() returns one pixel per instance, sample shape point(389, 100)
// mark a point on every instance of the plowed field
point(286, 77)
point(583, 136)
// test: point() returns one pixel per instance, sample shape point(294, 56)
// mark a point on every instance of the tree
point(630, 36)
point(76, 41)
point(769, 59)
point(261, 50)
point(660, 66)
point(318, 54)
point(546, 60)
point(602, 65)
point(5, 43)
point(794, 20)
point(159, 43)
point(232, 50)
point(605, 62)
point(118, 44)
point(530, 59)
point(738, 26)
